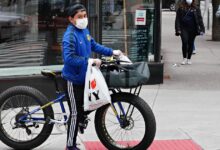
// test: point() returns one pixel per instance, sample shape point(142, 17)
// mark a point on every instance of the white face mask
point(82, 23)
point(189, 2)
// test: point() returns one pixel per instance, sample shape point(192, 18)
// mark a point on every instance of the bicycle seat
point(50, 73)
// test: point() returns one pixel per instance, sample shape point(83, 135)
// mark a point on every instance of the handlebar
point(112, 64)
point(115, 60)
point(107, 61)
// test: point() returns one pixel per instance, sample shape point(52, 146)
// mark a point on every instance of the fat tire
point(48, 112)
point(145, 110)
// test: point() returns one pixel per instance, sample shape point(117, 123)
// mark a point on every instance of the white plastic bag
point(96, 92)
point(125, 60)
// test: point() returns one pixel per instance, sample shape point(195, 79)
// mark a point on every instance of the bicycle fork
point(116, 113)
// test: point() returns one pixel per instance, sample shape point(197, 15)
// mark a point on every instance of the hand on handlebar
point(117, 52)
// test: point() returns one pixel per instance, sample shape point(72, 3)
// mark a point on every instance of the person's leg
point(75, 103)
point(79, 89)
point(194, 48)
point(190, 44)
point(184, 38)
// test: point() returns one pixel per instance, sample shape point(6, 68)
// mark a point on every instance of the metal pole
point(157, 31)
point(125, 28)
point(208, 18)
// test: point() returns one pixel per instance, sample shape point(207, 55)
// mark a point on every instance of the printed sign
point(140, 17)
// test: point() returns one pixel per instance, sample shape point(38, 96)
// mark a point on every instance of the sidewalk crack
point(190, 137)
point(155, 98)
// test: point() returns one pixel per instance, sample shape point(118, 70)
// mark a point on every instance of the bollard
point(208, 20)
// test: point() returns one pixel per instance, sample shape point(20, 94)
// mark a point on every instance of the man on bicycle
point(77, 48)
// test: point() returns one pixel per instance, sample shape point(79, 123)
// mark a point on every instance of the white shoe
point(194, 52)
point(80, 142)
point(189, 62)
point(184, 61)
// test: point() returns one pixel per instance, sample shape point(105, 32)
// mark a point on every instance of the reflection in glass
point(121, 32)
point(31, 32)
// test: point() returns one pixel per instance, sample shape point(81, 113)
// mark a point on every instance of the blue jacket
point(77, 48)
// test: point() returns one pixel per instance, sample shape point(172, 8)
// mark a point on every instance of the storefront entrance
point(134, 27)
point(31, 32)
point(129, 25)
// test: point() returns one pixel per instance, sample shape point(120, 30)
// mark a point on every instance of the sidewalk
point(186, 105)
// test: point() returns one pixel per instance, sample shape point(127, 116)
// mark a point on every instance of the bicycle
point(27, 117)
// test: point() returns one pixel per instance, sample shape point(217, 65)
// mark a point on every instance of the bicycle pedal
point(86, 121)
point(81, 128)
point(28, 131)
point(37, 126)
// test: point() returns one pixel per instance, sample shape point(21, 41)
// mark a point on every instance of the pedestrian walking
point(77, 48)
point(188, 25)
point(194, 48)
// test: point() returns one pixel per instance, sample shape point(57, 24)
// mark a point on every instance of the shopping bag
point(96, 92)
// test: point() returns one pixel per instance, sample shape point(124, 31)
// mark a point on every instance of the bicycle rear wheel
point(137, 126)
point(17, 102)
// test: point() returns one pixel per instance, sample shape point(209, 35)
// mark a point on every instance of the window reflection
point(121, 32)
point(31, 32)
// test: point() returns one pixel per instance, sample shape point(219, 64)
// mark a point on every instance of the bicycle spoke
point(118, 135)
point(111, 125)
point(23, 123)
point(132, 109)
point(112, 122)
point(132, 127)
point(13, 106)
point(2, 118)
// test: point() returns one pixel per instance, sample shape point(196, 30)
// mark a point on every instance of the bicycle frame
point(135, 92)
point(59, 99)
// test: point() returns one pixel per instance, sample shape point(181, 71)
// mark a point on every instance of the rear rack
point(135, 90)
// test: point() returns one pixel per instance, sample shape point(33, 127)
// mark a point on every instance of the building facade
point(31, 33)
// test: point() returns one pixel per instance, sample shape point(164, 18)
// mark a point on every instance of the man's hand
point(117, 52)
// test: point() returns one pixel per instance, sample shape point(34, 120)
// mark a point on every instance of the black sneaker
point(73, 148)
point(83, 125)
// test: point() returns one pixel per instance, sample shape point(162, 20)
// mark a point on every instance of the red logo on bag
point(93, 84)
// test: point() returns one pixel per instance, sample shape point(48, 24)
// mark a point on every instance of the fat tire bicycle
point(27, 118)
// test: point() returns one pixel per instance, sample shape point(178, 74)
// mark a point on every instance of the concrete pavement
point(187, 104)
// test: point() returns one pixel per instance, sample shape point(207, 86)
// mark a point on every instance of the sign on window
point(140, 17)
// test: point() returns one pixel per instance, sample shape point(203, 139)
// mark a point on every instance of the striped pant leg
point(72, 122)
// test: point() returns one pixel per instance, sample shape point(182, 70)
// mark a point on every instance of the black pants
point(75, 102)
point(188, 37)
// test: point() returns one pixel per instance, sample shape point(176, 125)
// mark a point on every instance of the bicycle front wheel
point(29, 133)
point(134, 128)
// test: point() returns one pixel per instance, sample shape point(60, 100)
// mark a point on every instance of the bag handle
point(186, 13)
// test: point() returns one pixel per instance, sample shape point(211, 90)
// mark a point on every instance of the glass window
point(31, 32)
point(129, 25)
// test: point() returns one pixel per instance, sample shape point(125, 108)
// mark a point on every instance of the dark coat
point(180, 14)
